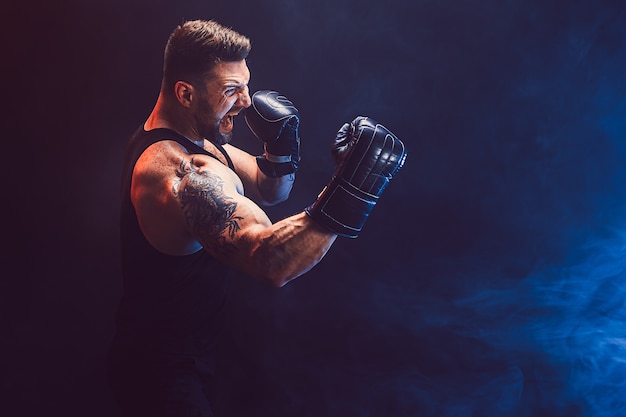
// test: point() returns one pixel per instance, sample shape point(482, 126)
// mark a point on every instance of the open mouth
point(226, 124)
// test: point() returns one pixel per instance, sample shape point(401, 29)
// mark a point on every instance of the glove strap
point(275, 169)
point(277, 159)
point(342, 208)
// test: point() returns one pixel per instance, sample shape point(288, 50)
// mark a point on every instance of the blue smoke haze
point(490, 279)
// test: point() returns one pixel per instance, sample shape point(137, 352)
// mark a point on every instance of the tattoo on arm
point(207, 210)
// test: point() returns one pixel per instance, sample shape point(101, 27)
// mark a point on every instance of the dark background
point(490, 279)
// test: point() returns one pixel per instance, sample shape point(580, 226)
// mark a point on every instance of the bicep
point(216, 214)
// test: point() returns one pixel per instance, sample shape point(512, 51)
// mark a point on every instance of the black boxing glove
point(275, 120)
point(367, 156)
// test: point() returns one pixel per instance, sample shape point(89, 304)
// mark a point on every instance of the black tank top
point(170, 304)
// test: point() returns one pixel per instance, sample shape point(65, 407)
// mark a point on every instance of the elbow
point(278, 283)
point(276, 279)
point(268, 201)
point(274, 190)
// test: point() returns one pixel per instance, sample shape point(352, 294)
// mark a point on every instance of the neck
point(172, 116)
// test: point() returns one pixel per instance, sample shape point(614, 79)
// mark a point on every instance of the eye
point(230, 91)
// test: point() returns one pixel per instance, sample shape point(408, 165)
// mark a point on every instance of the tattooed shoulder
point(208, 211)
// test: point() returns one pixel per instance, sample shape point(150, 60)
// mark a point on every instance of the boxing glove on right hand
point(367, 156)
point(274, 119)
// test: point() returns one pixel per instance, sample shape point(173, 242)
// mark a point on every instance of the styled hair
point(194, 48)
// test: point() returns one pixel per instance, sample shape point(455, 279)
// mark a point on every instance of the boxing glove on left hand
point(367, 156)
point(274, 119)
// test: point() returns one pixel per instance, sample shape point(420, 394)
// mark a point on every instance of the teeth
point(227, 121)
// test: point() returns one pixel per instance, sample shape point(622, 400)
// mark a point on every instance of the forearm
point(272, 191)
point(288, 249)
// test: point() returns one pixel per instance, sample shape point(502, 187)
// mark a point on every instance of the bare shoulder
point(165, 179)
point(164, 162)
point(159, 159)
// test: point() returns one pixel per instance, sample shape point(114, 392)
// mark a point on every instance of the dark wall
point(490, 279)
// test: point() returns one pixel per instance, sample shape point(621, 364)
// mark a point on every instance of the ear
point(184, 93)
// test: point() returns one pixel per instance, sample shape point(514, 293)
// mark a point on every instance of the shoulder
point(164, 157)
point(162, 164)
point(159, 155)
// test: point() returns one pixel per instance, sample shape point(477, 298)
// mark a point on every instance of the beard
point(213, 134)
point(209, 125)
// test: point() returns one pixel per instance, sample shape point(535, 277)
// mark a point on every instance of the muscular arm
point(232, 228)
point(187, 202)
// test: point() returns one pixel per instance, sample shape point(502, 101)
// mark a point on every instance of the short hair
point(194, 48)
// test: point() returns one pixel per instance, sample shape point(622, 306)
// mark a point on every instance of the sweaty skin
point(189, 202)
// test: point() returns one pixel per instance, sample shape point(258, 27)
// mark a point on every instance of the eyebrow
point(233, 84)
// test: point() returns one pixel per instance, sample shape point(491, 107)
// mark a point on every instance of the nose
point(244, 99)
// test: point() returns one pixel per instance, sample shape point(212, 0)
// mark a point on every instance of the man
point(190, 214)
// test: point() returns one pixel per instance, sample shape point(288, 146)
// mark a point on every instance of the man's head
point(195, 47)
point(205, 70)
